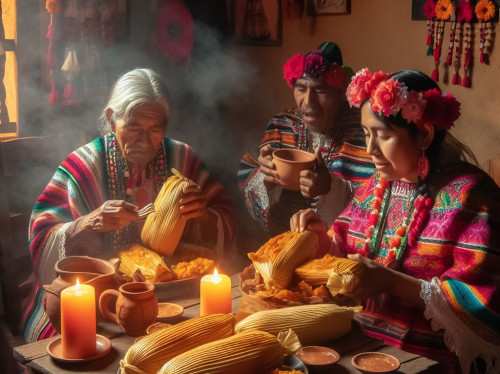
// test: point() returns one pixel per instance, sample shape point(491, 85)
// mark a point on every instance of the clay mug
point(289, 163)
point(136, 307)
point(89, 270)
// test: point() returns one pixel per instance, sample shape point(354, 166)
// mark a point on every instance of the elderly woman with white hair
point(90, 205)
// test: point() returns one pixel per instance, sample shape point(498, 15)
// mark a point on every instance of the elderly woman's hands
point(83, 235)
point(193, 204)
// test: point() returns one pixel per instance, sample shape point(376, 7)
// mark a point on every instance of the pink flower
point(464, 11)
point(293, 69)
point(388, 97)
point(414, 107)
point(430, 9)
point(335, 76)
point(356, 93)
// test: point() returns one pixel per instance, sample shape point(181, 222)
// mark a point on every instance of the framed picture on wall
point(328, 7)
point(256, 22)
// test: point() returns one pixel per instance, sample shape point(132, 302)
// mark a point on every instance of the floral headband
point(316, 66)
point(388, 96)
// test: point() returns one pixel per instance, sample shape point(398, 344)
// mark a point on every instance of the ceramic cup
point(136, 307)
point(289, 163)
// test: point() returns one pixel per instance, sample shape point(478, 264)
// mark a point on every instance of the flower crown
point(388, 96)
point(316, 66)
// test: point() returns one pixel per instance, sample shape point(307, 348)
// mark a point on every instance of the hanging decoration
point(485, 11)
point(467, 45)
point(71, 67)
point(53, 7)
point(175, 31)
point(444, 10)
point(460, 14)
point(464, 16)
point(430, 14)
point(80, 59)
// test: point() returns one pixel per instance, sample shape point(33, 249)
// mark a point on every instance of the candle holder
point(103, 346)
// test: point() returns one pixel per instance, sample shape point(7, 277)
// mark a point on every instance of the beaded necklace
point(120, 183)
point(376, 225)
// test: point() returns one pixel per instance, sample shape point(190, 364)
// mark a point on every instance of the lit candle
point(215, 294)
point(78, 321)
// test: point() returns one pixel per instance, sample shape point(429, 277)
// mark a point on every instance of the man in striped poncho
point(322, 123)
point(90, 205)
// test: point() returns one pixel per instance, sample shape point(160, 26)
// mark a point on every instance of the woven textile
point(80, 185)
point(459, 250)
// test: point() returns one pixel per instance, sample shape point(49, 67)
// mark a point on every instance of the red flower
point(441, 110)
point(464, 11)
point(430, 9)
point(293, 69)
point(388, 97)
point(356, 92)
point(335, 76)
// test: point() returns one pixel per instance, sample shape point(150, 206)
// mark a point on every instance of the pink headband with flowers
point(388, 96)
point(316, 66)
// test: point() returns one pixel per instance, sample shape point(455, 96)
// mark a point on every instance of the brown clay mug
point(289, 163)
point(136, 307)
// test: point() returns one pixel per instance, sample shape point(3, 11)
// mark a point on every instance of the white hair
point(132, 89)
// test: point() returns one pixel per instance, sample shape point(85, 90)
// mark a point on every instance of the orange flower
point(485, 10)
point(53, 6)
point(444, 9)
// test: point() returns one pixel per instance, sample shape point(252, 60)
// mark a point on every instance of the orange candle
point(78, 321)
point(215, 294)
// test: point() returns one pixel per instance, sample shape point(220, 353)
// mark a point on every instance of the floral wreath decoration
point(389, 96)
point(316, 66)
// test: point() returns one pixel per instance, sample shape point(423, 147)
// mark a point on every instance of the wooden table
point(35, 356)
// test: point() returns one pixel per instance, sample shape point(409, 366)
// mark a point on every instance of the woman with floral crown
point(424, 227)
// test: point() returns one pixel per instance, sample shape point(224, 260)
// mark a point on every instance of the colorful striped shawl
point(348, 157)
point(79, 186)
point(460, 245)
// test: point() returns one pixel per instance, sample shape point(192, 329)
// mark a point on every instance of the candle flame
point(77, 283)
point(216, 277)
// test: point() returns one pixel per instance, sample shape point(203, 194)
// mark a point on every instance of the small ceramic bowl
point(375, 362)
point(168, 311)
point(318, 359)
point(289, 163)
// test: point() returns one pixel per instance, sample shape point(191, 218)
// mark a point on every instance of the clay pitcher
point(136, 307)
point(93, 271)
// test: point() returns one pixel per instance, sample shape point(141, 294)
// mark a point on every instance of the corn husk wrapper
point(163, 229)
point(296, 248)
point(249, 352)
point(148, 262)
point(314, 324)
point(150, 352)
point(340, 275)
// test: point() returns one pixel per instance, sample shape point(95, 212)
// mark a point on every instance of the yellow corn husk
point(277, 259)
point(151, 265)
point(314, 324)
point(149, 353)
point(163, 228)
point(340, 275)
point(246, 353)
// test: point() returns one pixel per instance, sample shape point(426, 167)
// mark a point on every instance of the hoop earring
point(422, 166)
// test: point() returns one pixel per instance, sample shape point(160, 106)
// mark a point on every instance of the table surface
point(35, 356)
